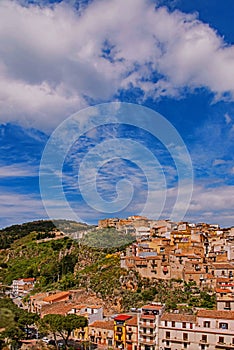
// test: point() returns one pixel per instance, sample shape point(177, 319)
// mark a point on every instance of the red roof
point(152, 307)
point(223, 290)
point(28, 279)
point(53, 297)
point(122, 317)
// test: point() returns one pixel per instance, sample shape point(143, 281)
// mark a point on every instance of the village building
point(102, 333)
point(22, 286)
point(148, 326)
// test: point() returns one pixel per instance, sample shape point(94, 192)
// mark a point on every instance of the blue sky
point(175, 57)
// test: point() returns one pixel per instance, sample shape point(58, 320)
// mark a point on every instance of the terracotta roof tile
point(103, 324)
point(54, 297)
point(152, 307)
point(223, 290)
point(228, 315)
point(223, 266)
point(132, 321)
point(60, 308)
point(28, 279)
point(178, 317)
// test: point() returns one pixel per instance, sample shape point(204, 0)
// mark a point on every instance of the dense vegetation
point(15, 323)
point(65, 264)
point(10, 234)
point(107, 239)
point(62, 325)
point(47, 228)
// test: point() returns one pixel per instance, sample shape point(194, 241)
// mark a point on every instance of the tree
point(6, 317)
point(27, 319)
point(62, 325)
point(51, 324)
point(13, 335)
point(71, 322)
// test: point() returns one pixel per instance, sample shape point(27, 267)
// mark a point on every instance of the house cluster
point(192, 252)
point(147, 328)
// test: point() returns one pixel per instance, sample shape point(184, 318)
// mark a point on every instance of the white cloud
point(52, 58)
point(19, 170)
point(213, 205)
point(18, 208)
point(218, 162)
point(227, 118)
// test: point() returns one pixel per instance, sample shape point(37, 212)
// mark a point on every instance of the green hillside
point(63, 263)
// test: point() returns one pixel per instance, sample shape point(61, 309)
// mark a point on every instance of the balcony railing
point(147, 325)
point(147, 333)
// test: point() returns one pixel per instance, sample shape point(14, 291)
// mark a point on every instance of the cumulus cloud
point(55, 60)
point(208, 204)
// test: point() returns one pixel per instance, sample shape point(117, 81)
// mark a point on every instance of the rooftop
point(132, 321)
point(228, 315)
point(152, 307)
point(122, 317)
point(56, 296)
point(178, 317)
point(103, 324)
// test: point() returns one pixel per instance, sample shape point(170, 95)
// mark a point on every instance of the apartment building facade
point(148, 326)
point(208, 330)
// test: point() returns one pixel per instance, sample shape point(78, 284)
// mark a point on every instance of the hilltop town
point(170, 288)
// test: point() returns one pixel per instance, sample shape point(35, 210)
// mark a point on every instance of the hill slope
point(63, 263)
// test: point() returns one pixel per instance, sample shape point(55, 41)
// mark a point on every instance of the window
point(228, 305)
point(167, 335)
point(185, 336)
point(203, 346)
point(173, 323)
point(184, 324)
point(191, 326)
point(221, 340)
point(165, 323)
point(185, 345)
point(223, 325)
point(204, 338)
point(206, 324)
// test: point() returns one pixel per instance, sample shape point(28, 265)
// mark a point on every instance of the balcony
point(119, 332)
point(147, 325)
point(176, 340)
point(146, 342)
point(147, 333)
point(224, 346)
